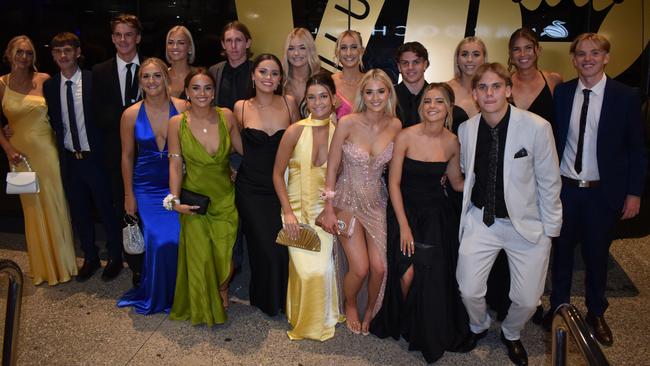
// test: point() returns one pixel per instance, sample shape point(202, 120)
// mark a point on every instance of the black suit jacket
point(52, 93)
point(620, 150)
point(107, 95)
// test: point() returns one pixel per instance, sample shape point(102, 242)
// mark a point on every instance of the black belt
point(78, 155)
point(580, 183)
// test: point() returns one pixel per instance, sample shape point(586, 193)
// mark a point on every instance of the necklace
point(260, 105)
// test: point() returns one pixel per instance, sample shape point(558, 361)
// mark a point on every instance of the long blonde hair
point(380, 75)
point(357, 37)
point(464, 41)
point(312, 55)
point(10, 51)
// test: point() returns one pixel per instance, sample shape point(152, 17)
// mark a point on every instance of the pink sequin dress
point(361, 190)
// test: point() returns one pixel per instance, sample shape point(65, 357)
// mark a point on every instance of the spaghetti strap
point(545, 82)
point(242, 111)
point(284, 97)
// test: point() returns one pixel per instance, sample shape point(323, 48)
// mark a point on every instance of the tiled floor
point(79, 324)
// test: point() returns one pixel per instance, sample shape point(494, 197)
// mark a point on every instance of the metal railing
point(567, 319)
point(12, 318)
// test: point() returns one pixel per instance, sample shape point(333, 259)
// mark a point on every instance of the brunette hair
point(380, 75)
point(11, 50)
point(65, 39)
point(240, 27)
point(198, 71)
point(464, 41)
point(192, 51)
point(312, 55)
point(496, 68)
point(128, 19)
point(268, 56)
point(322, 78)
point(525, 33)
point(449, 99)
point(415, 47)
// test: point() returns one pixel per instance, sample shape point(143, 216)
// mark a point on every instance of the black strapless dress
point(259, 213)
point(432, 318)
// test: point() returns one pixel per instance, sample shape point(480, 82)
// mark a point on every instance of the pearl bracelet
point(169, 201)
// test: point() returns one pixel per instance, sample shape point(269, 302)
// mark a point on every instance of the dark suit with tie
point(590, 214)
point(84, 180)
point(108, 107)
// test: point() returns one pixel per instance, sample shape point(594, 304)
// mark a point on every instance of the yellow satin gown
point(312, 295)
point(48, 232)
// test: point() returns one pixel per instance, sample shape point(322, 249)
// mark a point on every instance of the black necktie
point(129, 98)
point(489, 207)
point(581, 134)
point(72, 116)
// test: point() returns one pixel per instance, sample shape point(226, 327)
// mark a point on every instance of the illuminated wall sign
point(440, 25)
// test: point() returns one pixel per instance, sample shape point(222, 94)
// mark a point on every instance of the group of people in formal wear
point(415, 190)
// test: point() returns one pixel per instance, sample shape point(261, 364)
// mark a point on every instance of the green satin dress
point(206, 241)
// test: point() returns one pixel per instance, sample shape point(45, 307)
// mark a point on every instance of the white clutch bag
point(132, 238)
point(22, 182)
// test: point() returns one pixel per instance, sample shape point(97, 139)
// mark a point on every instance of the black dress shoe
point(471, 341)
point(538, 317)
point(112, 269)
point(88, 269)
point(547, 320)
point(516, 351)
point(600, 329)
point(136, 279)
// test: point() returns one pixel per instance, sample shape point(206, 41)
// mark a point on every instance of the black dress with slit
point(432, 318)
point(259, 213)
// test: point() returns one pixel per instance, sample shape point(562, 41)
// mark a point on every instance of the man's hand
point(631, 207)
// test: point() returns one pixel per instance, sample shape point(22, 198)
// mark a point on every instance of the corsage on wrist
point(327, 195)
point(169, 201)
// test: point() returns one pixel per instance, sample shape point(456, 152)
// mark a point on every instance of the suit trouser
point(528, 263)
point(587, 218)
point(86, 183)
point(112, 160)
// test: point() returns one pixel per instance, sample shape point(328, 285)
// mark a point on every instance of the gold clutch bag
point(307, 239)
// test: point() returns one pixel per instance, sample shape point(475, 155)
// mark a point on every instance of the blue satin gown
point(161, 228)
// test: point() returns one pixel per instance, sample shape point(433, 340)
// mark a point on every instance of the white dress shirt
point(77, 95)
point(121, 73)
point(589, 158)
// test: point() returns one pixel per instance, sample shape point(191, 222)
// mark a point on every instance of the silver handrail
point(12, 318)
point(568, 319)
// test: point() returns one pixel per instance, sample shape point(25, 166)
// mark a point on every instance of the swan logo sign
point(555, 30)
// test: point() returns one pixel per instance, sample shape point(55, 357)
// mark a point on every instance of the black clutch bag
point(422, 256)
point(195, 199)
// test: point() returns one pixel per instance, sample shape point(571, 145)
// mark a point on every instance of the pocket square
point(521, 153)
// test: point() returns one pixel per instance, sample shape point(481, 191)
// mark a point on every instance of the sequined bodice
point(360, 183)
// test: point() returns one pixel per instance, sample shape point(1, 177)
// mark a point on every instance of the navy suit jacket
point(619, 150)
point(52, 93)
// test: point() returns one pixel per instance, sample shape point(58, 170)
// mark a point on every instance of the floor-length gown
point(206, 241)
point(160, 227)
point(312, 295)
point(432, 318)
point(48, 232)
point(259, 210)
point(361, 190)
